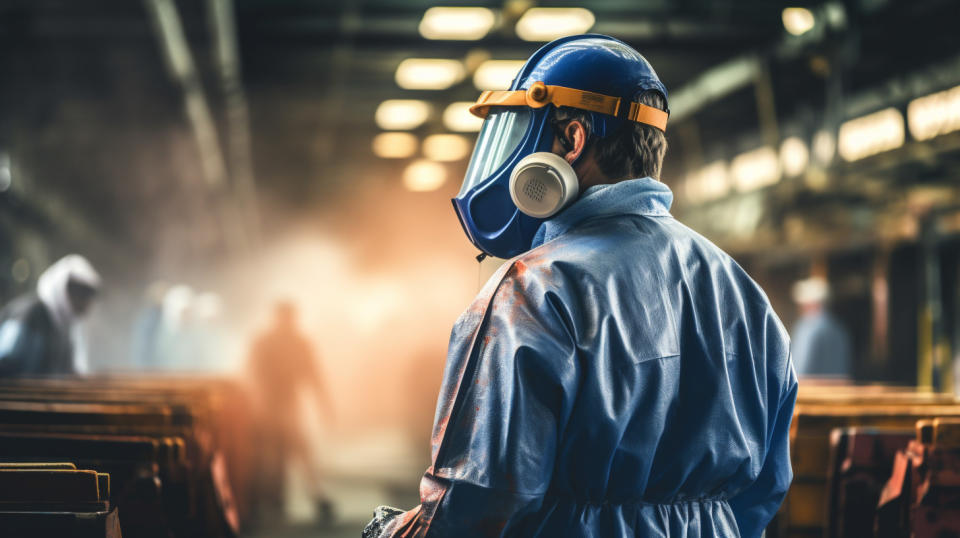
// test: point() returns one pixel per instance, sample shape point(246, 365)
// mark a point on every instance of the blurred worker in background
point(41, 333)
point(620, 376)
point(148, 327)
point(281, 367)
point(173, 347)
point(820, 344)
point(180, 330)
point(205, 334)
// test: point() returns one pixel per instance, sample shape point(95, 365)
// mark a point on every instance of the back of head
point(285, 313)
point(811, 291)
point(606, 66)
point(176, 306)
point(54, 287)
point(633, 150)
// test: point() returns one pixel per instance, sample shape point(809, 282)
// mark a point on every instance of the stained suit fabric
point(625, 377)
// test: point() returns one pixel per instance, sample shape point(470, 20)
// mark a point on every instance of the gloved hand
point(382, 517)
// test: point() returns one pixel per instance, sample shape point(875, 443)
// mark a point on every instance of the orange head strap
point(540, 95)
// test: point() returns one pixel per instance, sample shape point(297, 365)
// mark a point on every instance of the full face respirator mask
point(514, 182)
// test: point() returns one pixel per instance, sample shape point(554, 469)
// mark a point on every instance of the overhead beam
point(899, 89)
point(713, 85)
point(182, 69)
point(239, 147)
point(730, 76)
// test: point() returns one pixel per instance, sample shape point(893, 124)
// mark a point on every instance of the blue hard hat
point(592, 72)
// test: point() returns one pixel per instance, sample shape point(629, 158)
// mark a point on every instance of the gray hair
point(633, 150)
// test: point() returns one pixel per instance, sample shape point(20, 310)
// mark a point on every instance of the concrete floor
point(342, 530)
point(359, 474)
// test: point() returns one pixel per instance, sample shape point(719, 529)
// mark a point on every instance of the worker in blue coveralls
point(619, 375)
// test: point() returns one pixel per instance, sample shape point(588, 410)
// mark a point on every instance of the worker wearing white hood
point(40, 334)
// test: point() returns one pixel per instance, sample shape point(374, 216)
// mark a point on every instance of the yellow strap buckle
point(540, 95)
point(642, 113)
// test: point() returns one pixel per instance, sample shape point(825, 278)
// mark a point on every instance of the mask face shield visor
point(503, 131)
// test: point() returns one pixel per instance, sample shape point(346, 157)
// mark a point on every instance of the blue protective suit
point(623, 378)
point(821, 346)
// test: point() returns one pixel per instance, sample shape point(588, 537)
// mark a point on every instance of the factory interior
point(257, 195)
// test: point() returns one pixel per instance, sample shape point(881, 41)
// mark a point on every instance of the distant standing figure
point(820, 344)
point(147, 327)
point(173, 347)
point(40, 333)
point(281, 365)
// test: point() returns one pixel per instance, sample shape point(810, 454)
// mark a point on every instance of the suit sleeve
point(755, 506)
point(507, 394)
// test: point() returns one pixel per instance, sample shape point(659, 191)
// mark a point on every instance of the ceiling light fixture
point(423, 175)
point(446, 147)
point(395, 145)
point(708, 183)
point(457, 118)
point(549, 23)
point(457, 23)
point(798, 20)
point(871, 134)
point(794, 156)
point(496, 74)
point(402, 114)
point(934, 114)
point(429, 73)
point(755, 169)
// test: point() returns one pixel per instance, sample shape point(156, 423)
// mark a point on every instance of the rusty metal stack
point(99, 457)
point(844, 440)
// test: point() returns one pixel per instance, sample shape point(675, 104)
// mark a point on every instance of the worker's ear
point(571, 141)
